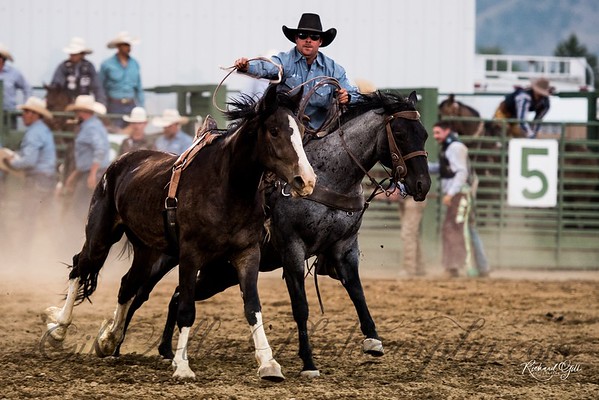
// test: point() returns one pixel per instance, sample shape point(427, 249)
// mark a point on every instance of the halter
point(399, 162)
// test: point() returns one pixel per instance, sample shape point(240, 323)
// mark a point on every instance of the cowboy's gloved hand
point(242, 64)
point(343, 96)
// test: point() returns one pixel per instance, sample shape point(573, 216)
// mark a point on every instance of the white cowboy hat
point(77, 46)
point(541, 86)
point(85, 102)
point(8, 153)
point(138, 114)
point(36, 105)
point(4, 53)
point(122, 37)
point(169, 117)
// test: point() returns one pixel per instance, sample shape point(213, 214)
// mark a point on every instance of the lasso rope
point(234, 68)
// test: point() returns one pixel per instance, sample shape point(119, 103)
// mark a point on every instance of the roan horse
point(219, 213)
point(379, 127)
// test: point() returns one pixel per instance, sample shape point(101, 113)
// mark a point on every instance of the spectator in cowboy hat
point(136, 130)
point(121, 78)
point(173, 139)
point(304, 62)
point(13, 80)
point(520, 102)
point(37, 159)
point(77, 75)
point(92, 153)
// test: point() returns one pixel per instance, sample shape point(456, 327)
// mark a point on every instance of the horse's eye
point(274, 132)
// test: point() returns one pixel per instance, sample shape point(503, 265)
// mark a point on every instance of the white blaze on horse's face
point(305, 169)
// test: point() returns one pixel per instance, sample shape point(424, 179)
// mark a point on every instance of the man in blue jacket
point(303, 63)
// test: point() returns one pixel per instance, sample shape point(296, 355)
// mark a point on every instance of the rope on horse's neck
point(234, 68)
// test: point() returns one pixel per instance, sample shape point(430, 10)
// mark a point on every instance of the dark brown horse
point(450, 107)
point(380, 127)
point(219, 212)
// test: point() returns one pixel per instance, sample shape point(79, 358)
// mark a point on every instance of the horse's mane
point(388, 101)
point(245, 108)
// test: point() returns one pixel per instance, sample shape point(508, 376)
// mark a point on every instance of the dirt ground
point(502, 337)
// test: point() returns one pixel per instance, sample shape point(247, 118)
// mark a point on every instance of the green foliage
point(571, 47)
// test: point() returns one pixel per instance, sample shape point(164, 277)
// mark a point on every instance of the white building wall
point(393, 43)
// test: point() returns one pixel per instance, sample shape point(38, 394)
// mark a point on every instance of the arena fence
point(562, 237)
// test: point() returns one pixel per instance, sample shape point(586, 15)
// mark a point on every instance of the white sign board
point(532, 173)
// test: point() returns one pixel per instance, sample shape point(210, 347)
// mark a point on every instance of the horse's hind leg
point(112, 331)
point(293, 264)
point(346, 262)
point(101, 233)
point(213, 279)
point(159, 269)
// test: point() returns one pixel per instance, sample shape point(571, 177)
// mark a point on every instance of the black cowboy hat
point(311, 23)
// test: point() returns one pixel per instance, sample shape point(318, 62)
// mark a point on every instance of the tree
point(571, 47)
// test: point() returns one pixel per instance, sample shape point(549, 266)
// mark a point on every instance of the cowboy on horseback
point(302, 64)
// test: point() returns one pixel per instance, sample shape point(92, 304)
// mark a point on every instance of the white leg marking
point(374, 347)
point(304, 165)
point(268, 367)
point(57, 320)
point(111, 332)
point(180, 362)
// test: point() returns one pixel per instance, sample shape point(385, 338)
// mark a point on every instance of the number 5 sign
point(532, 173)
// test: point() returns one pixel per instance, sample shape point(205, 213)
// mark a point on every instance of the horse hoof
point(57, 332)
point(271, 373)
point(105, 343)
point(310, 374)
point(183, 372)
point(374, 347)
point(166, 352)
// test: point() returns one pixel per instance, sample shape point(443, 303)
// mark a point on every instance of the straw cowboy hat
point(541, 86)
point(9, 154)
point(311, 23)
point(169, 117)
point(77, 46)
point(122, 38)
point(85, 102)
point(36, 105)
point(138, 114)
point(4, 53)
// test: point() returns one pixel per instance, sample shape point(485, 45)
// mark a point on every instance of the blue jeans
point(480, 258)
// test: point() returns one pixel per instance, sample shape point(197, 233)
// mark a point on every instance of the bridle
point(400, 170)
point(398, 161)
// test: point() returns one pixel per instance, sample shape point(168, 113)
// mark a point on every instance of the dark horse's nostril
point(298, 182)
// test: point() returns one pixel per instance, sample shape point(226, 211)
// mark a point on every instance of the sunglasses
point(312, 36)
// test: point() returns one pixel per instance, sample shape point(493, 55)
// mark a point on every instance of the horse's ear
point(296, 99)
point(268, 103)
point(413, 98)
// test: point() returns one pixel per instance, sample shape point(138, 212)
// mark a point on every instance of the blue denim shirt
point(38, 152)
point(177, 145)
point(13, 80)
point(296, 72)
point(92, 145)
point(122, 82)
